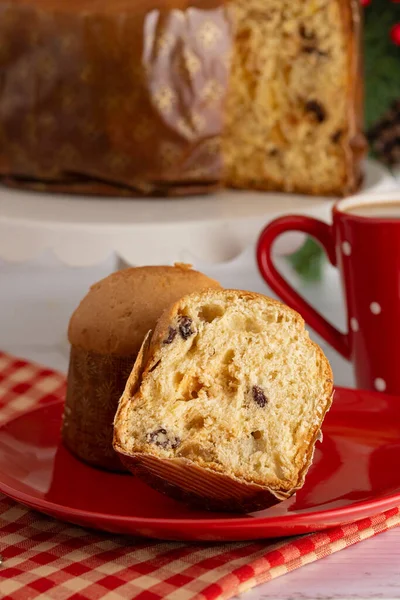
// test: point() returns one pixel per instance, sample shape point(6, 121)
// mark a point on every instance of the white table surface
point(36, 301)
point(83, 231)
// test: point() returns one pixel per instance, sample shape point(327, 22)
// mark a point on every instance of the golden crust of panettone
point(118, 311)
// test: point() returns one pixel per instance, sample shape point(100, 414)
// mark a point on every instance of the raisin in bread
point(163, 97)
point(225, 402)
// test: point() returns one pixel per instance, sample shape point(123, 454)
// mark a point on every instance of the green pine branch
point(381, 59)
point(308, 260)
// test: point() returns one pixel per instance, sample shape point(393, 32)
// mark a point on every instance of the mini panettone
point(106, 332)
point(225, 402)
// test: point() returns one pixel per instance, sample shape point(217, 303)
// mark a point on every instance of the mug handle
point(323, 233)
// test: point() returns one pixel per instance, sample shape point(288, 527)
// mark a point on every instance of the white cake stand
point(84, 231)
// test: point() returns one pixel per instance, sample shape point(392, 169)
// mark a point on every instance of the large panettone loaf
point(106, 332)
point(223, 408)
point(180, 96)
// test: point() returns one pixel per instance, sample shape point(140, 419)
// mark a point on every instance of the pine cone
point(384, 137)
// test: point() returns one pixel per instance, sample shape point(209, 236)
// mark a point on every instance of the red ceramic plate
point(355, 474)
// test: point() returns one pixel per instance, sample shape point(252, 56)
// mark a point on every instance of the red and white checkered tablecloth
point(48, 559)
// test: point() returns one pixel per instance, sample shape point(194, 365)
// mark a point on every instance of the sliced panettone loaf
point(225, 402)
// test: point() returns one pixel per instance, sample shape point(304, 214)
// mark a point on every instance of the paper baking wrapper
point(119, 99)
point(95, 385)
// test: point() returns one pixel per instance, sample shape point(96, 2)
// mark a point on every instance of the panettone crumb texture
point(232, 383)
point(292, 93)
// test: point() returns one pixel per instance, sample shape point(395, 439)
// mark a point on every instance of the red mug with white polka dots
point(364, 243)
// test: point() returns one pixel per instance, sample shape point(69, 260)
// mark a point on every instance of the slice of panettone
point(225, 402)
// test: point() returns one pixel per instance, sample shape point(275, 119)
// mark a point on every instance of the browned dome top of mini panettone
point(118, 311)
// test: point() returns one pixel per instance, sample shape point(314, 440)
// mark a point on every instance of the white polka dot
point(346, 247)
point(354, 324)
point(380, 384)
point(375, 308)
